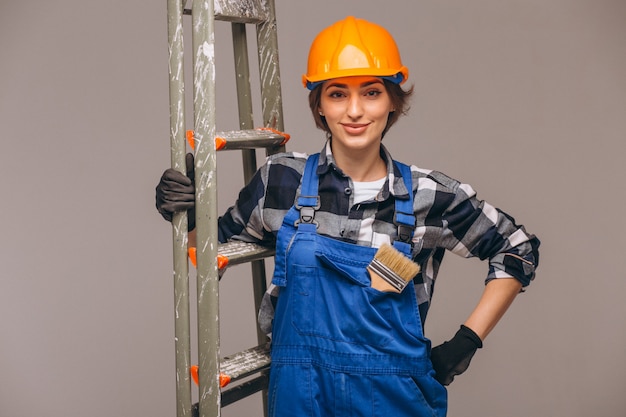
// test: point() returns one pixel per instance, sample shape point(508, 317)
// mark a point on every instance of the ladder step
point(246, 362)
point(240, 365)
point(249, 139)
point(242, 11)
point(245, 389)
point(233, 253)
point(242, 252)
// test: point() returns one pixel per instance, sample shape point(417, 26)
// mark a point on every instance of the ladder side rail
point(244, 94)
point(259, 288)
point(203, 32)
point(271, 98)
point(246, 121)
point(182, 343)
point(244, 100)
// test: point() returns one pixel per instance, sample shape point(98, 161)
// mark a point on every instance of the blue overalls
point(339, 347)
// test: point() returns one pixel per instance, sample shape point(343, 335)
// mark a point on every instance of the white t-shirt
point(367, 190)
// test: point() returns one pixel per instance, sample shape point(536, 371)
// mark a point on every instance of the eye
point(373, 93)
point(336, 94)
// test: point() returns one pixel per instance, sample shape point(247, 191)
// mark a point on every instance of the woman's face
point(356, 111)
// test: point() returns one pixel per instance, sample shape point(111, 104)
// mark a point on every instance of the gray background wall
point(525, 100)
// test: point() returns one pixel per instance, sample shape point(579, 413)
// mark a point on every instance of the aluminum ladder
point(252, 364)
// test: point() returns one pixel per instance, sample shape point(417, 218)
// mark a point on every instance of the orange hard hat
point(354, 47)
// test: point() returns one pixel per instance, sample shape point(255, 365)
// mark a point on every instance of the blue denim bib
point(339, 346)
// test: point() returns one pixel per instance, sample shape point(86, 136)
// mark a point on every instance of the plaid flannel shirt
point(449, 216)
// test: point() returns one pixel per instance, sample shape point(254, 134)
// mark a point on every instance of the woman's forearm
point(496, 299)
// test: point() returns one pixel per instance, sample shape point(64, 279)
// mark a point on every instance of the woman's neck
point(361, 165)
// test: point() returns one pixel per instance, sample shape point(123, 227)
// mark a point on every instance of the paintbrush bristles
point(397, 262)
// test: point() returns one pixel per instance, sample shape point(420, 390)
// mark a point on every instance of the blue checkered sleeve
point(474, 228)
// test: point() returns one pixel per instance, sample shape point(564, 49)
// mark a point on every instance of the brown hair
point(399, 100)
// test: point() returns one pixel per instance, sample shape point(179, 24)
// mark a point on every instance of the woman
point(339, 344)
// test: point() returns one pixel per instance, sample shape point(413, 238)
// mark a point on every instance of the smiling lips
point(355, 128)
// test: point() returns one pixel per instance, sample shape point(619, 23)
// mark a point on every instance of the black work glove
point(176, 192)
point(453, 357)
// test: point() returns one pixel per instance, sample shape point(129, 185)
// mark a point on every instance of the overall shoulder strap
point(305, 205)
point(309, 181)
point(404, 217)
point(309, 200)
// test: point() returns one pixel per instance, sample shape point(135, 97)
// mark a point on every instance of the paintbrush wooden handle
point(380, 284)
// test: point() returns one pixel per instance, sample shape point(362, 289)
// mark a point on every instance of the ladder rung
point(238, 392)
point(245, 389)
point(249, 139)
point(242, 11)
point(242, 252)
point(235, 252)
point(246, 362)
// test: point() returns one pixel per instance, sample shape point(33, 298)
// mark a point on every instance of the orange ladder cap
point(222, 261)
point(224, 379)
point(192, 252)
point(219, 143)
point(287, 136)
point(190, 139)
point(194, 374)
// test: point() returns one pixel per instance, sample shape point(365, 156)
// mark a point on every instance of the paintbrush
point(390, 270)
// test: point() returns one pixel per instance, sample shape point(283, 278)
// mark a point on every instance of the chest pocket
point(333, 301)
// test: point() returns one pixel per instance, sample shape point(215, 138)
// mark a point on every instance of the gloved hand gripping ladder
point(207, 141)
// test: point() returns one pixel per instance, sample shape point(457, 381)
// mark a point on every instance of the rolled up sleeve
point(475, 228)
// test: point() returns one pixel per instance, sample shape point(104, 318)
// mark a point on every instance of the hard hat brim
point(398, 77)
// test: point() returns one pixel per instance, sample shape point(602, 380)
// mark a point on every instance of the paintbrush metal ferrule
point(388, 274)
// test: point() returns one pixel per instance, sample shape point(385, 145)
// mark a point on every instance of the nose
point(355, 107)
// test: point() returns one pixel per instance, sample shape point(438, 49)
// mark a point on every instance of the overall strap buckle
point(406, 226)
point(405, 233)
point(308, 201)
point(307, 205)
